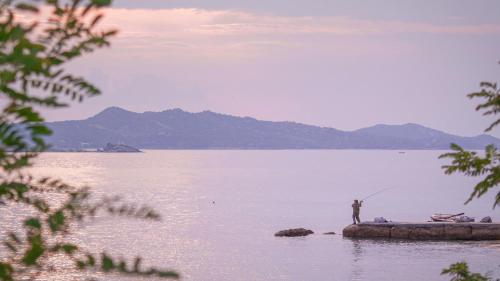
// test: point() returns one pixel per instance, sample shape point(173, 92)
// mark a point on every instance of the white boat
point(445, 217)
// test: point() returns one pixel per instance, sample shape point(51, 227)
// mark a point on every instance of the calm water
point(257, 193)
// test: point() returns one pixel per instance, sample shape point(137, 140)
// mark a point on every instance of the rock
point(293, 232)
point(118, 148)
point(486, 220)
point(329, 233)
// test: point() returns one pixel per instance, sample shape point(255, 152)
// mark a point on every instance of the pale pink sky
point(340, 65)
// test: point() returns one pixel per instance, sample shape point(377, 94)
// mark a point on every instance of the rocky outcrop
point(293, 232)
point(487, 220)
point(425, 231)
point(110, 147)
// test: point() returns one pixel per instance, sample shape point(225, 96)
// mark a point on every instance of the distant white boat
point(445, 217)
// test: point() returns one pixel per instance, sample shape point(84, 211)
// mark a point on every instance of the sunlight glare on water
point(221, 208)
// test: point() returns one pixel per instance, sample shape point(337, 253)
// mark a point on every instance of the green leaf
point(101, 3)
point(81, 264)
point(90, 260)
point(27, 7)
point(460, 272)
point(35, 223)
point(107, 263)
point(69, 248)
point(39, 129)
point(35, 251)
point(56, 221)
point(6, 271)
point(168, 274)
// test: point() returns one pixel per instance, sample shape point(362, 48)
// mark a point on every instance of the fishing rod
point(380, 191)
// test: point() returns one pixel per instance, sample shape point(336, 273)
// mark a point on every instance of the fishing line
point(375, 193)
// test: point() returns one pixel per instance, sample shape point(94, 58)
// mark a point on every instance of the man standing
point(355, 211)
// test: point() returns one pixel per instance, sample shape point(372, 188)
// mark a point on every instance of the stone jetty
point(425, 231)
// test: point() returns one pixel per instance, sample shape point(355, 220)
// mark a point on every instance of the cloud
point(213, 32)
point(189, 22)
point(218, 31)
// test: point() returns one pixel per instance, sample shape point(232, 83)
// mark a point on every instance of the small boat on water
point(445, 217)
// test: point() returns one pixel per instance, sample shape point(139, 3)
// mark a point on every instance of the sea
point(221, 208)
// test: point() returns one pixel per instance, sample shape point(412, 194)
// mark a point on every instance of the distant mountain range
point(178, 129)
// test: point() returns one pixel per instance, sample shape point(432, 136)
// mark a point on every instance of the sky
point(343, 64)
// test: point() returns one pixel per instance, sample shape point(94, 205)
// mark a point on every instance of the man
point(355, 211)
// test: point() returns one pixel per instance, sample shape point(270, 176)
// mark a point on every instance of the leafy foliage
point(460, 272)
point(32, 56)
point(491, 93)
point(470, 163)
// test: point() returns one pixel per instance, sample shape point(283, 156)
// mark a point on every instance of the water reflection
point(357, 254)
point(259, 192)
